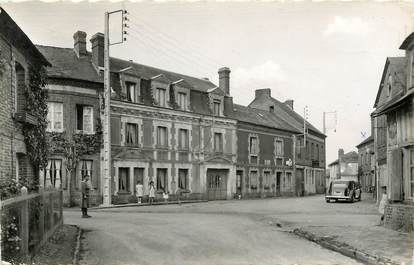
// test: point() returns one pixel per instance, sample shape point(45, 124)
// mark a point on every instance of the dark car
point(347, 190)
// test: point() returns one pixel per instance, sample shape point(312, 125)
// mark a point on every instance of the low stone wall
point(399, 217)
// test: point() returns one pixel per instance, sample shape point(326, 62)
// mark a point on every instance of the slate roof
point(367, 140)
point(17, 38)
point(290, 116)
point(67, 65)
point(260, 117)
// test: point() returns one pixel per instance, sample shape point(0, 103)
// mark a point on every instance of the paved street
point(220, 232)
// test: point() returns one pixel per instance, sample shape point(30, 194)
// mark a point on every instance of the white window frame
point(182, 100)
point(51, 116)
point(161, 102)
point(158, 140)
point(411, 173)
point(84, 123)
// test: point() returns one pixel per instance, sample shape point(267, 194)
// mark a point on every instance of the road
point(220, 232)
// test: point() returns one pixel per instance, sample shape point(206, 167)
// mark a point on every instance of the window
point(266, 179)
point(389, 86)
point(182, 100)
point(139, 174)
point(218, 142)
point(20, 94)
point(160, 96)
point(55, 117)
point(183, 139)
point(317, 152)
point(289, 178)
point(84, 118)
point(132, 92)
point(279, 147)
point(162, 179)
point(53, 173)
point(131, 134)
point(254, 146)
point(216, 108)
point(123, 183)
point(162, 140)
point(253, 179)
point(183, 179)
point(412, 172)
point(272, 109)
point(85, 169)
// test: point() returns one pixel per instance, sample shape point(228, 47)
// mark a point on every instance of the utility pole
point(106, 126)
point(324, 120)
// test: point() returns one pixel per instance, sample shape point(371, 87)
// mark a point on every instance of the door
point(216, 184)
point(300, 182)
point(239, 181)
point(278, 176)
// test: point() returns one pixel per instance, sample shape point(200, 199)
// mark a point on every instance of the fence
point(28, 221)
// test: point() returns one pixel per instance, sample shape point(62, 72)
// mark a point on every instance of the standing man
point(85, 196)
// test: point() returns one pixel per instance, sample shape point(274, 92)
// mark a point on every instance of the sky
point(328, 56)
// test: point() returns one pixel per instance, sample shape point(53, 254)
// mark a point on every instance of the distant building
point(345, 167)
point(366, 164)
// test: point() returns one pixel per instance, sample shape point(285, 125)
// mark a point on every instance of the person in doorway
point(85, 188)
point(151, 192)
point(139, 188)
point(383, 203)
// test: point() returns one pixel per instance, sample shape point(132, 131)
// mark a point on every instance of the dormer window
point(182, 100)
point(132, 92)
point(216, 108)
point(160, 96)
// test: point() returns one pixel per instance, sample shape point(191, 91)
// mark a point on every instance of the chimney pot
point(224, 79)
point(98, 45)
point(289, 103)
point(340, 153)
point(263, 92)
point(79, 39)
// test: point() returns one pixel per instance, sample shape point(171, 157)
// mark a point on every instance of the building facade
point(18, 59)
point(366, 164)
point(395, 103)
point(345, 167)
point(309, 155)
point(180, 132)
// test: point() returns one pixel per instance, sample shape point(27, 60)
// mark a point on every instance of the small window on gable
point(160, 95)
point(216, 107)
point(389, 85)
point(272, 109)
point(182, 100)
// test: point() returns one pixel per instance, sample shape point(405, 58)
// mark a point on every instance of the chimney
point(79, 39)
point(340, 153)
point(289, 103)
point(264, 92)
point(224, 79)
point(97, 41)
point(228, 105)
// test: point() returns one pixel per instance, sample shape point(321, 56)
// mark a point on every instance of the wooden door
point(216, 184)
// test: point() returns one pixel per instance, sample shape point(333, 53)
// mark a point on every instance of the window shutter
point(396, 175)
point(115, 130)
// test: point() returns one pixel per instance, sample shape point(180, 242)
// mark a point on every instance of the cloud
point(354, 25)
point(268, 74)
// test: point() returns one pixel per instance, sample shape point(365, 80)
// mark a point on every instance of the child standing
point(139, 188)
point(151, 192)
point(383, 203)
point(165, 196)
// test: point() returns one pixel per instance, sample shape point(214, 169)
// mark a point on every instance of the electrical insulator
point(125, 33)
point(125, 12)
point(125, 18)
point(125, 39)
point(126, 25)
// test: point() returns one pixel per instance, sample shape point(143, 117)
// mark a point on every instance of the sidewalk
point(371, 245)
point(145, 204)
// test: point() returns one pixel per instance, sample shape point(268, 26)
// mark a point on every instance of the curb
point(144, 204)
point(330, 243)
point(76, 253)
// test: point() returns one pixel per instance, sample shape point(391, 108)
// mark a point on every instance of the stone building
point(366, 164)
point(345, 167)
point(181, 132)
point(310, 156)
point(396, 106)
point(264, 165)
point(18, 57)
